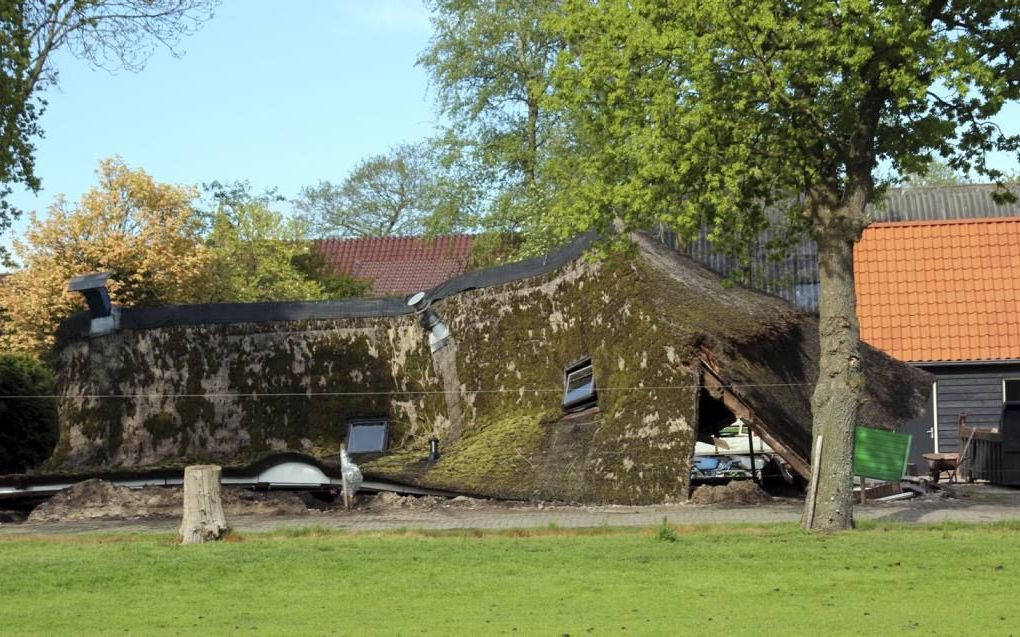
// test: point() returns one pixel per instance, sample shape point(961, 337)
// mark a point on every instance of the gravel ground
point(969, 503)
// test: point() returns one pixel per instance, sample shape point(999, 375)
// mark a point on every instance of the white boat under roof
point(734, 443)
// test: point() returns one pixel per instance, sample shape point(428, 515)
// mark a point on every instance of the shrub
point(28, 413)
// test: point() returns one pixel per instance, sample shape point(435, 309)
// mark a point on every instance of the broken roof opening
point(713, 417)
point(714, 387)
point(727, 448)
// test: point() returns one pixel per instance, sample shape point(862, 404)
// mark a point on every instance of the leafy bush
point(335, 285)
point(28, 413)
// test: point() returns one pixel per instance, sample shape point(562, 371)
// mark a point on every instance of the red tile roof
point(941, 290)
point(398, 265)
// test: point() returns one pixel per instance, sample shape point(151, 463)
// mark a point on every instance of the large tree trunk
point(203, 518)
point(837, 394)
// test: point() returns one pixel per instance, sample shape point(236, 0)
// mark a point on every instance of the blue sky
point(281, 94)
point(273, 92)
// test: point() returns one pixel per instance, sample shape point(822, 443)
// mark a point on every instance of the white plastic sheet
point(351, 475)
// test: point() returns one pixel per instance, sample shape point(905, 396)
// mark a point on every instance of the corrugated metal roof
point(931, 203)
point(795, 276)
point(941, 290)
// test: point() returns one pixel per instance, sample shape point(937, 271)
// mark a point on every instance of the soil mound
point(742, 492)
point(390, 501)
point(246, 502)
point(387, 501)
point(97, 499)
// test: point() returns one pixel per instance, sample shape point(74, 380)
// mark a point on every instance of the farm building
point(945, 297)
point(558, 378)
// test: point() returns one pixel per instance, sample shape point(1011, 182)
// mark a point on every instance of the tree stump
point(203, 519)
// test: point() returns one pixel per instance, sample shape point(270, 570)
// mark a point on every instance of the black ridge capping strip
point(77, 325)
point(502, 274)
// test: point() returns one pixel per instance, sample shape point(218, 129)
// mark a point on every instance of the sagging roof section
point(231, 383)
point(768, 430)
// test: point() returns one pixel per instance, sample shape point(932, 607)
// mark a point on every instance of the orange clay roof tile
point(941, 290)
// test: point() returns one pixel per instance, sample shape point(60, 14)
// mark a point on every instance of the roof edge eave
point(973, 361)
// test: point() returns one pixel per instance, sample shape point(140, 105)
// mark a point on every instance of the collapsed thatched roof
point(762, 354)
point(658, 326)
point(231, 384)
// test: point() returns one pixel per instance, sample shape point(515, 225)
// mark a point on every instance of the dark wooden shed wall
point(972, 389)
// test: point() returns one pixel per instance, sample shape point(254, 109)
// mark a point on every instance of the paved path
point(981, 505)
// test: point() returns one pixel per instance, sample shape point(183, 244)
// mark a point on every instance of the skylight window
point(367, 436)
point(579, 386)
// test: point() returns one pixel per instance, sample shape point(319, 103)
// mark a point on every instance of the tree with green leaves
point(19, 111)
point(110, 34)
point(937, 173)
point(385, 195)
point(490, 62)
point(254, 249)
point(335, 285)
point(710, 111)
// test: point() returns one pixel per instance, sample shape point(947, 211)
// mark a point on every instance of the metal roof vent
point(104, 317)
point(439, 333)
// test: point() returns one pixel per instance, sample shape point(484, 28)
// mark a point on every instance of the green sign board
point(880, 454)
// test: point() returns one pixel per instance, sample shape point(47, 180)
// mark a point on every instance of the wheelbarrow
point(939, 463)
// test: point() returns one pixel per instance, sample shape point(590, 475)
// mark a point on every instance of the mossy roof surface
point(656, 301)
point(766, 351)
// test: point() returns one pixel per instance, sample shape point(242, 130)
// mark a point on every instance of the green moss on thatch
point(513, 343)
point(643, 319)
point(494, 459)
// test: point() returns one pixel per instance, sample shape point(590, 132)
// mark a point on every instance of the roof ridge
point(943, 222)
point(416, 237)
point(955, 187)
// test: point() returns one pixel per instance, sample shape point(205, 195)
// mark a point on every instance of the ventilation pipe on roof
point(444, 361)
point(439, 333)
point(104, 317)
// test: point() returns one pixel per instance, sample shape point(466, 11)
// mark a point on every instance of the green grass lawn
point(769, 580)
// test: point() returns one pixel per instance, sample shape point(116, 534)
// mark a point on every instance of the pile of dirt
point(97, 499)
point(247, 502)
point(735, 492)
point(386, 501)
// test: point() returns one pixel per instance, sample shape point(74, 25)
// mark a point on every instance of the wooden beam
point(714, 385)
point(812, 494)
